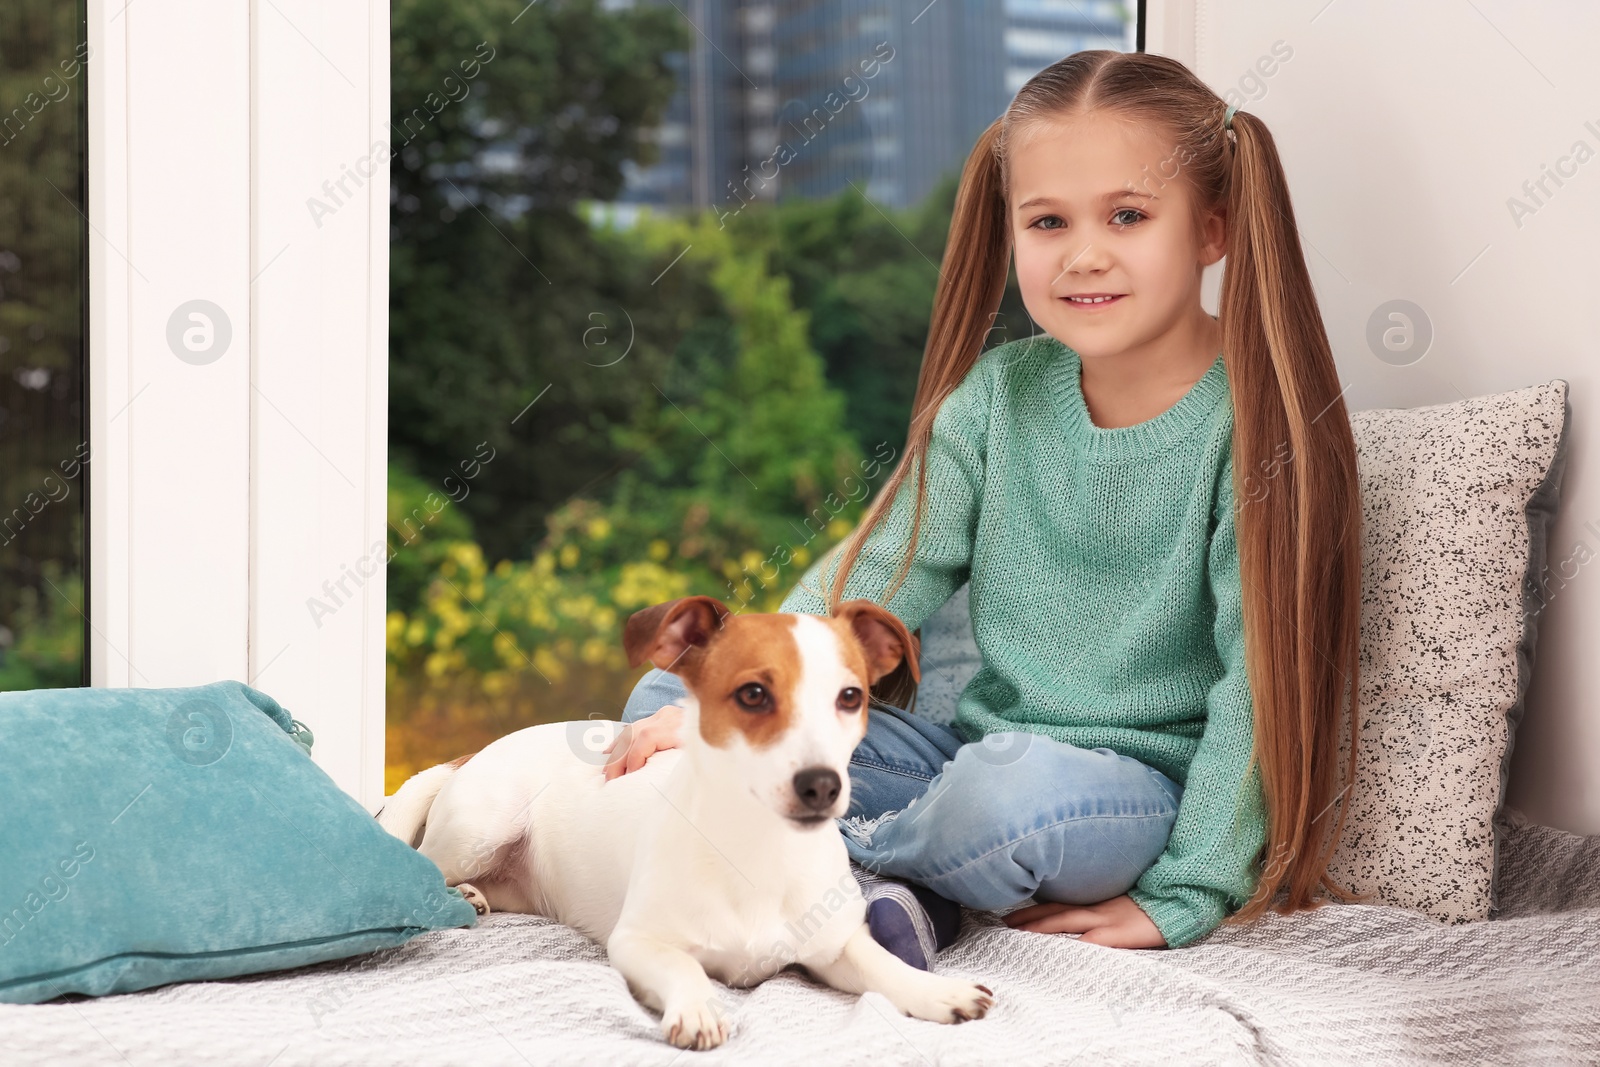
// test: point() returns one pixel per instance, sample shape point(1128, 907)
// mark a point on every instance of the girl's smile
point(1093, 301)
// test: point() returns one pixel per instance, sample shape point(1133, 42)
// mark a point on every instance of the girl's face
point(1096, 210)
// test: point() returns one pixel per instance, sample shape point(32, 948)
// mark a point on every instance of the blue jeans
point(990, 823)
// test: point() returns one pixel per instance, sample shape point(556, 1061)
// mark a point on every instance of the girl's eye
point(1034, 225)
point(1126, 211)
point(753, 696)
point(850, 699)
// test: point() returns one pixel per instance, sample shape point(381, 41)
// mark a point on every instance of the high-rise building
point(807, 97)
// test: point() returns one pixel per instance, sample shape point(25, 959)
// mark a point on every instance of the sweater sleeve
point(1209, 868)
point(943, 561)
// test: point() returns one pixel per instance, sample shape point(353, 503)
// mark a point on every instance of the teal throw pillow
point(166, 835)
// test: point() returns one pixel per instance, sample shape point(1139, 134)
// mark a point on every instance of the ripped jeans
point(990, 823)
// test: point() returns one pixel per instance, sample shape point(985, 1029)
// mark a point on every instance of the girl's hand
point(1118, 922)
point(641, 739)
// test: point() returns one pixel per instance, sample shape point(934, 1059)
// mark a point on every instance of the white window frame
point(227, 499)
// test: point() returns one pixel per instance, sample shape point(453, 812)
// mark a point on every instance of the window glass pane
point(43, 286)
point(660, 282)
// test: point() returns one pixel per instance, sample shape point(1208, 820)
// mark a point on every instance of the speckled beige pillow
point(1458, 500)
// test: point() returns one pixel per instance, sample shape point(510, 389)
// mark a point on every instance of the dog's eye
point(753, 696)
point(850, 699)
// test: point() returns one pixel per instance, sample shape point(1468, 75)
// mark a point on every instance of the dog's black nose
point(817, 787)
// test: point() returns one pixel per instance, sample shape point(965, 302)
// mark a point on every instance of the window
point(648, 322)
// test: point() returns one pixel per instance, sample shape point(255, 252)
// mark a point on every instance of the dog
point(716, 859)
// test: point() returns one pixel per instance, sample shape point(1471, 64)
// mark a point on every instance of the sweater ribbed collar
point(1142, 438)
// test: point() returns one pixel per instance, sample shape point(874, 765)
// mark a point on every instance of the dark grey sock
point(910, 920)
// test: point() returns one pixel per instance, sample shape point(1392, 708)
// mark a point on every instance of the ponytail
point(1300, 536)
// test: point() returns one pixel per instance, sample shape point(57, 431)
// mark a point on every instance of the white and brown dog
point(718, 858)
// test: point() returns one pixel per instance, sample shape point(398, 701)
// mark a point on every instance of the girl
point(1158, 514)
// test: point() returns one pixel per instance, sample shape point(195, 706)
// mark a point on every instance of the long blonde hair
point(1300, 542)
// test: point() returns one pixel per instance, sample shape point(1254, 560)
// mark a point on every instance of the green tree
point(867, 277)
point(42, 275)
point(499, 294)
point(748, 449)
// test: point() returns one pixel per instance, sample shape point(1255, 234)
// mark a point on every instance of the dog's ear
point(884, 638)
point(662, 633)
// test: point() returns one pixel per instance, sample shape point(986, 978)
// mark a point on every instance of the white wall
point(1405, 130)
point(225, 491)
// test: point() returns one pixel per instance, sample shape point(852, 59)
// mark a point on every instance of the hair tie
point(1227, 118)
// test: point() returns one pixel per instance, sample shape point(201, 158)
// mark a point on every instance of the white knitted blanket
point(1341, 984)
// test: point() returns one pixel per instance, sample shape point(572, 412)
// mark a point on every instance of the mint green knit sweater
point(1105, 597)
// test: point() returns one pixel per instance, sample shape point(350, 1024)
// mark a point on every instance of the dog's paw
point(475, 897)
point(696, 1025)
point(943, 999)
